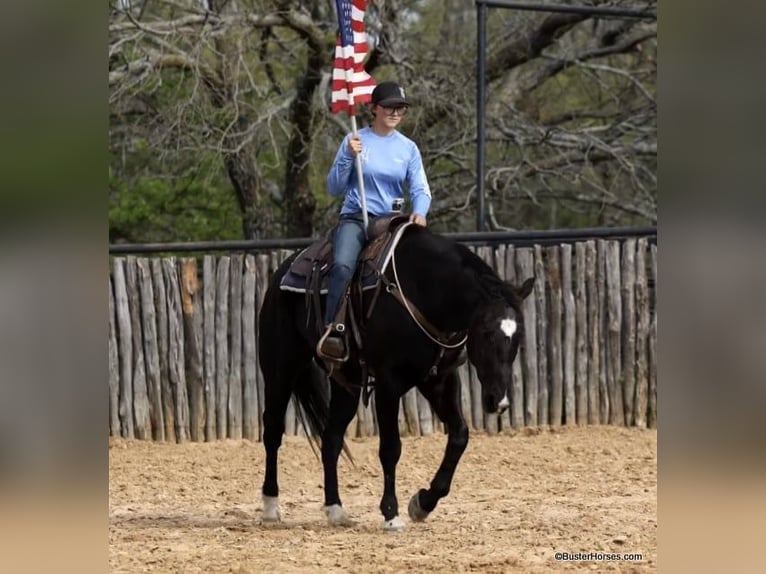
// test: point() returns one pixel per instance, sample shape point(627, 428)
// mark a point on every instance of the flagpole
point(358, 158)
point(348, 57)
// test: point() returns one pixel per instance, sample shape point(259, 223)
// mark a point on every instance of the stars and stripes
point(350, 83)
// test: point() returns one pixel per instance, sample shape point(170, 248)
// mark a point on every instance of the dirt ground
point(516, 500)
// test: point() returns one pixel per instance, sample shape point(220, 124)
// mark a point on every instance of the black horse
point(451, 299)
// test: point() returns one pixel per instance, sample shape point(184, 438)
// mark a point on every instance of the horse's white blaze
point(508, 327)
point(394, 525)
point(336, 516)
point(504, 403)
point(271, 511)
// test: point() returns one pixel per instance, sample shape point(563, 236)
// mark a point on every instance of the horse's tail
point(313, 407)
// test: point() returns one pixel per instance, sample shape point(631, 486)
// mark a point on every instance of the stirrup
point(332, 344)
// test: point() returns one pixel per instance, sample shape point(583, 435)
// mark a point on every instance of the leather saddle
point(308, 272)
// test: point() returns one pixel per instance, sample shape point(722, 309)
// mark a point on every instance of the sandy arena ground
point(516, 500)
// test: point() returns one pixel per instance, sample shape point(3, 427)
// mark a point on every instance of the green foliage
point(152, 208)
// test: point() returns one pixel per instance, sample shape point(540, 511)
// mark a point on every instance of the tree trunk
point(300, 203)
point(244, 178)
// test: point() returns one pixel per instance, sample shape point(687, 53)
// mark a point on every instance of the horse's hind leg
point(283, 355)
point(445, 401)
point(277, 395)
point(343, 405)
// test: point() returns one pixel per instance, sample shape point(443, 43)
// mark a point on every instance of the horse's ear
point(526, 288)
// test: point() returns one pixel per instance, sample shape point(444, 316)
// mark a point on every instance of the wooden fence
point(183, 359)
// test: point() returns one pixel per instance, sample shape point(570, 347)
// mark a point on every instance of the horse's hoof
point(396, 524)
point(414, 510)
point(271, 513)
point(336, 516)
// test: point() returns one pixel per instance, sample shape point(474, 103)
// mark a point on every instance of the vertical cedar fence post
point(581, 334)
point(568, 337)
point(208, 338)
point(250, 423)
point(603, 393)
point(628, 330)
point(465, 394)
point(524, 269)
point(517, 382)
point(425, 416)
point(235, 348)
point(161, 307)
point(643, 316)
point(594, 332)
point(192, 326)
point(543, 382)
point(614, 333)
point(410, 405)
point(183, 345)
point(125, 348)
point(554, 326)
point(114, 368)
point(151, 349)
point(222, 346)
point(176, 349)
point(141, 418)
point(651, 414)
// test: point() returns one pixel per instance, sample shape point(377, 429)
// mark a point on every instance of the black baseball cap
point(389, 94)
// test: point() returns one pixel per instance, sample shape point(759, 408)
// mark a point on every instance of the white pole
point(360, 179)
point(359, 176)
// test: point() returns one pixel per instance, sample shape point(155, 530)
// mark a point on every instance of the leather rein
point(444, 340)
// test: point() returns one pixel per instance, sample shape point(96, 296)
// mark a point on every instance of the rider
point(389, 160)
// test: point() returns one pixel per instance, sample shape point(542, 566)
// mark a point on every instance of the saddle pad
point(370, 259)
point(296, 283)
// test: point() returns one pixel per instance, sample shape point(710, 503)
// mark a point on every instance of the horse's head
point(493, 342)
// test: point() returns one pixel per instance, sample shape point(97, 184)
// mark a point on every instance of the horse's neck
point(435, 281)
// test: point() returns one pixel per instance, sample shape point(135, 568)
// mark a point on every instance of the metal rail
point(616, 11)
point(518, 238)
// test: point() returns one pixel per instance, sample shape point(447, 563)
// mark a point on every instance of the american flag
point(350, 83)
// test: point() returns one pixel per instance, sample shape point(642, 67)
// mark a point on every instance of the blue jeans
point(348, 241)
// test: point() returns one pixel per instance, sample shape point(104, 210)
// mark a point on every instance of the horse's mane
point(448, 253)
point(490, 285)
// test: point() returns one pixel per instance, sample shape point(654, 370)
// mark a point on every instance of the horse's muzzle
point(493, 406)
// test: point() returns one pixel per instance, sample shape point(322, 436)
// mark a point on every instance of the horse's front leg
point(343, 404)
point(389, 451)
point(444, 398)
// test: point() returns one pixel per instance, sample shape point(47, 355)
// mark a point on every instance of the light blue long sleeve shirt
point(388, 162)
